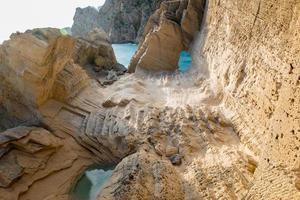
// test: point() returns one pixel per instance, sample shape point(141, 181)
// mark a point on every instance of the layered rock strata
point(124, 21)
point(36, 164)
point(39, 67)
point(30, 63)
point(229, 129)
point(169, 31)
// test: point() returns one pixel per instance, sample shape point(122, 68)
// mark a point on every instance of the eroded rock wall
point(252, 52)
point(229, 133)
point(36, 164)
point(29, 65)
point(169, 31)
point(36, 68)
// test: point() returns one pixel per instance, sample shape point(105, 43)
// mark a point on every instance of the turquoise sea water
point(124, 53)
point(185, 61)
point(91, 183)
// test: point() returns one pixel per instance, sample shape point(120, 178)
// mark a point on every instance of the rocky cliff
point(169, 31)
point(40, 70)
point(252, 55)
point(227, 129)
point(123, 20)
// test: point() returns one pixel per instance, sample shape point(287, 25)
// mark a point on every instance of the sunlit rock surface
point(169, 31)
point(252, 52)
point(226, 129)
point(29, 65)
point(37, 68)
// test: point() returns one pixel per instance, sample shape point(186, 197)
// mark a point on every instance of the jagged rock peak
point(124, 21)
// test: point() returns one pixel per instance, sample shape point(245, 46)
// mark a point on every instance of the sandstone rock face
point(33, 158)
point(29, 65)
point(170, 30)
point(124, 21)
point(252, 51)
point(229, 133)
point(42, 64)
point(31, 62)
point(95, 49)
point(144, 176)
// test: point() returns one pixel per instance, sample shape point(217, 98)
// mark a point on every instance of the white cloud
point(20, 15)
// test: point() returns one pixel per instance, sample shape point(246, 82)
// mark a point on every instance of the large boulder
point(170, 30)
point(41, 64)
point(144, 176)
point(95, 49)
point(95, 54)
point(30, 62)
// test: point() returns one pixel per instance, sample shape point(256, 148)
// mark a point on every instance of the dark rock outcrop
point(32, 158)
point(123, 20)
point(95, 54)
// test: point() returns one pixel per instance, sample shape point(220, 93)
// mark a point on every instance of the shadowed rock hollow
point(228, 128)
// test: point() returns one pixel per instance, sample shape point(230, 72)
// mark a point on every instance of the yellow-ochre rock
point(170, 30)
point(227, 129)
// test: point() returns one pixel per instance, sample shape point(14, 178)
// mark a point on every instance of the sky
point(21, 15)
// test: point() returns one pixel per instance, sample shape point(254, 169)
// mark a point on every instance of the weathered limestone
point(31, 61)
point(252, 51)
point(95, 53)
point(124, 21)
point(144, 176)
point(32, 159)
point(35, 164)
point(230, 133)
point(170, 30)
point(95, 49)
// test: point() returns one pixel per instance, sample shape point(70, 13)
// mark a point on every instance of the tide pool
point(124, 52)
point(91, 182)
